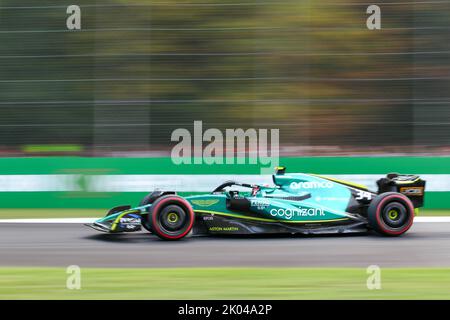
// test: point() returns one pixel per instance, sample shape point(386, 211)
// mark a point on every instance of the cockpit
point(233, 193)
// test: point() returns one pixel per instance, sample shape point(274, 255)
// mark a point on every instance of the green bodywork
point(323, 200)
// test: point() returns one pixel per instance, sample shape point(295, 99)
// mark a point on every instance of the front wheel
point(171, 217)
point(148, 199)
point(391, 214)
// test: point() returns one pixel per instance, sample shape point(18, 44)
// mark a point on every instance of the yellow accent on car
point(116, 222)
point(407, 181)
point(351, 184)
point(205, 202)
point(264, 219)
point(393, 214)
point(172, 217)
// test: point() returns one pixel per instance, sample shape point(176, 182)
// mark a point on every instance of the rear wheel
point(148, 199)
point(391, 214)
point(145, 224)
point(171, 217)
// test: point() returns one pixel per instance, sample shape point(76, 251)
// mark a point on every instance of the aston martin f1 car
point(296, 203)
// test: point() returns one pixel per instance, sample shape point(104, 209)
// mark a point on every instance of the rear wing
point(410, 185)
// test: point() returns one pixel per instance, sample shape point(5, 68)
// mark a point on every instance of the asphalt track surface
point(425, 245)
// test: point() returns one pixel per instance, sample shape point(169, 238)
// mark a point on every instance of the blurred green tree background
point(139, 69)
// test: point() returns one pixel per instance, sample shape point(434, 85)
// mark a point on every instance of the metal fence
point(137, 70)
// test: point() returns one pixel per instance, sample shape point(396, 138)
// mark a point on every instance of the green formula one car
point(296, 204)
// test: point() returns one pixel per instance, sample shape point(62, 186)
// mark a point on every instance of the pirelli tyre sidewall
point(391, 214)
point(171, 217)
point(146, 221)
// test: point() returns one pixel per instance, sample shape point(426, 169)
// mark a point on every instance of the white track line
point(90, 220)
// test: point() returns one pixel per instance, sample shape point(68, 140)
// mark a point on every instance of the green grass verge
point(225, 283)
point(83, 213)
point(431, 212)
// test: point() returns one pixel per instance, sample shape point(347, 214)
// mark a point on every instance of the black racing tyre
point(391, 214)
point(171, 217)
point(148, 199)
